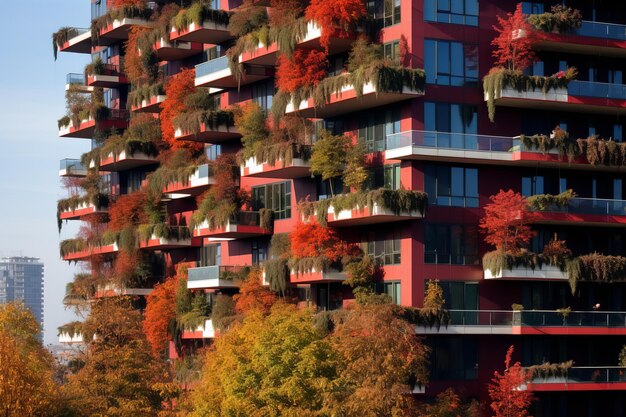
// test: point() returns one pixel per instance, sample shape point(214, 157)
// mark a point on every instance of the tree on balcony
point(329, 156)
point(507, 399)
point(515, 41)
point(506, 222)
point(339, 16)
point(306, 67)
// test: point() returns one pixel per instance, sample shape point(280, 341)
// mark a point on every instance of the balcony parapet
point(215, 277)
point(581, 378)
point(72, 168)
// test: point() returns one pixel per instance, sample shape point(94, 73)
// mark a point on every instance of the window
point(462, 297)
point(450, 63)
point(454, 244)
point(259, 251)
point(326, 189)
point(447, 119)
point(210, 255)
point(262, 93)
point(384, 252)
point(531, 7)
point(454, 357)
point(532, 185)
point(386, 12)
point(451, 185)
point(392, 289)
point(276, 197)
point(133, 181)
point(386, 176)
point(213, 151)
point(391, 51)
point(374, 128)
point(459, 12)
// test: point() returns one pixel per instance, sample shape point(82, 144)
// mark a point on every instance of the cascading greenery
point(560, 19)
point(548, 370)
point(216, 213)
point(124, 12)
point(61, 36)
point(398, 201)
point(141, 137)
point(72, 328)
point(193, 121)
point(198, 13)
point(545, 202)
point(164, 231)
point(96, 67)
point(178, 167)
point(68, 246)
point(144, 92)
point(501, 78)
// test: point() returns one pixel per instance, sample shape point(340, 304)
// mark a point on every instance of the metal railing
point(595, 89)
point(601, 30)
point(75, 79)
point(592, 206)
point(460, 141)
point(108, 69)
point(206, 171)
point(211, 66)
point(71, 165)
point(537, 318)
point(212, 272)
point(75, 32)
point(586, 374)
point(246, 218)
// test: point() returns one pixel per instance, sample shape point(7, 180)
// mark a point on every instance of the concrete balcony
point(348, 101)
point(532, 322)
point(175, 240)
point(582, 378)
point(196, 184)
point(208, 32)
point(592, 38)
point(123, 161)
point(116, 291)
point(316, 277)
point(244, 224)
point(78, 42)
point(579, 96)
point(209, 134)
point(214, 277)
point(118, 30)
point(83, 209)
point(111, 76)
point(116, 119)
point(77, 82)
point(149, 105)
point(216, 73)
point(88, 252)
point(205, 331)
point(585, 211)
point(543, 273)
point(362, 216)
point(72, 168)
point(176, 50)
point(297, 167)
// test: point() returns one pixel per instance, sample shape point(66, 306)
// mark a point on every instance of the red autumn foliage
point(125, 266)
point(515, 41)
point(254, 296)
point(337, 17)
point(507, 399)
point(177, 89)
point(160, 310)
point(506, 222)
point(133, 66)
point(116, 4)
point(307, 67)
point(312, 240)
point(225, 168)
point(284, 12)
point(128, 210)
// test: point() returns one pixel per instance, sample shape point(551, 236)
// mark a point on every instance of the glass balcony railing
point(586, 374)
point(537, 318)
point(75, 79)
point(601, 30)
point(211, 66)
point(461, 141)
point(212, 272)
point(205, 171)
point(71, 165)
point(599, 90)
point(592, 206)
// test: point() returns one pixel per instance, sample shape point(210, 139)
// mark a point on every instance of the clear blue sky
point(32, 99)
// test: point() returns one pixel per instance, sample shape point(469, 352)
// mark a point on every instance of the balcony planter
point(201, 23)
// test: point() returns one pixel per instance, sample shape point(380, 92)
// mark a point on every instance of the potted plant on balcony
point(517, 314)
point(564, 312)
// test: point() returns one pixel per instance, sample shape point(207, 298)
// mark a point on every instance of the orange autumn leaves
point(335, 17)
point(177, 89)
point(306, 67)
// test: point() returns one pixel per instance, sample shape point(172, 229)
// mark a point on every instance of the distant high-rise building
point(21, 279)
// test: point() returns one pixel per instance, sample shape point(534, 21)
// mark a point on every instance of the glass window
point(458, 12)
point(374, 128)
point(450, 63)
point(451, 185)
point(210, 255)
point(385, 12)
point(392, 50)
point(276, 197)
point(213, 151)
point(447, 118)
point(386, 176)
point(454, 357)
point(531, 7)
point(450, 244)
point(384, 250)
point(326, 189)
point(392, 289)
point(462, 297)
point(263, 93)
point(259, 251)
point(532, 185)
